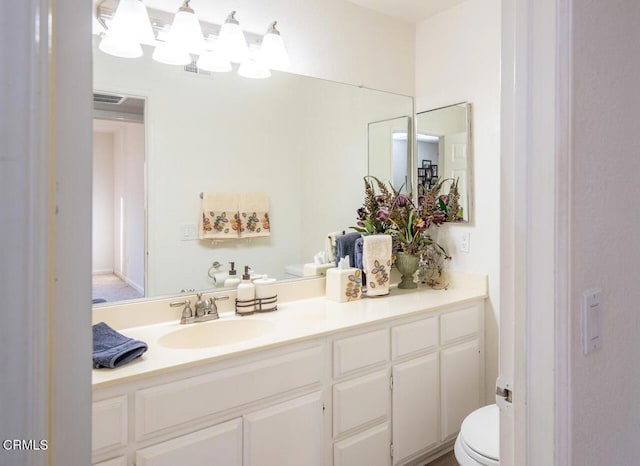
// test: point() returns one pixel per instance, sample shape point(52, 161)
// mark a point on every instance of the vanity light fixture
point(180, 37)
point(184, 37)
point(129, 27)
point(232, 41)
point(272, 51)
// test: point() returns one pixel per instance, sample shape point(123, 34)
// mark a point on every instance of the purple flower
point(360, 223)
point(382, 214)
point(362, 213)
point(419, 225)
point(444, 198)
point(439, 217)
point(381, 198)
point(402, 200)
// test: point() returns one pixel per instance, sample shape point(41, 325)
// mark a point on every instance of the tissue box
point(344, 285)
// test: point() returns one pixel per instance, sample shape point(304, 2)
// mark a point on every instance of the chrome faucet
point(204, 309)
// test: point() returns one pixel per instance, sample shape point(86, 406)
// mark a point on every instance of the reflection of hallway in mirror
point(109, 287)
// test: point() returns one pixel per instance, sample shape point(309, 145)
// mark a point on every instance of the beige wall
point(458, 59)
point(604, 230)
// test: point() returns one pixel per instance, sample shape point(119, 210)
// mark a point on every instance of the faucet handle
point(187, 313)
point(214, 306)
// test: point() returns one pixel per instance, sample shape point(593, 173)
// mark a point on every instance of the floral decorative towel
point(219, 216)
point(376, 259)
point(254, 215)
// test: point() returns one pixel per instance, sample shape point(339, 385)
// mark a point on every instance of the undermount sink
point(216, 333)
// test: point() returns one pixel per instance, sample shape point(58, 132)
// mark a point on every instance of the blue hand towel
point(346, 246)
point(112, 349)
point(359, 247)
point(358, 252)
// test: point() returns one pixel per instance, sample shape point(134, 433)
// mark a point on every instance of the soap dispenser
point(246, 294)
point(232, 279)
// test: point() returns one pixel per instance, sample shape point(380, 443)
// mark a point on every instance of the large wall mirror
point(390, 152)
point(443, 148)
point(300, 140)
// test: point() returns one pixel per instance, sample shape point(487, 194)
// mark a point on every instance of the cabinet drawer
point(180, 402)
point(353, 353)
point(357, 402)
point(460, 324)
point(370, 448)
point(120, 461)
point(109, 424)
point(413, 337)
point(221, 444)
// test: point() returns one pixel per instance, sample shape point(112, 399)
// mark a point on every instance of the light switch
point(591, 320)
point(189, 231)
point(465, 240)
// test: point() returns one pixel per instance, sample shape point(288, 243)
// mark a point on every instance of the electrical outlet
point(465, 241)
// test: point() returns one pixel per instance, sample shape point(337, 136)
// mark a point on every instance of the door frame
point(535, 226)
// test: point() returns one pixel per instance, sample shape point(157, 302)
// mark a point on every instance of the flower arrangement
point(388, 211)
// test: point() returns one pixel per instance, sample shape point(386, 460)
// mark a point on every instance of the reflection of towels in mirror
point(330, 245)
point(254, 215)
point(376, 259)
point(218, 218)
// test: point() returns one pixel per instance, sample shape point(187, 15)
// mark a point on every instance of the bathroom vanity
point(379, 381)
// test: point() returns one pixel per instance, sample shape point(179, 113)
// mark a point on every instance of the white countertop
point(294, 321)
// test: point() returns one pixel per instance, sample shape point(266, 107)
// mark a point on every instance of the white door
point(221, 444)
point(287, 434)
point(415, 406)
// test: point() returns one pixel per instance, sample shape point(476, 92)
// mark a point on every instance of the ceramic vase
point(407, 265)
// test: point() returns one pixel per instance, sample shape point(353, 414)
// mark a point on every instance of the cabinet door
point(221, 444)
point(370, 448)
point(287, 434)
point(460, 385)
point(415, 406)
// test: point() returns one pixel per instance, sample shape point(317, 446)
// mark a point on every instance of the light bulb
point(129, 27)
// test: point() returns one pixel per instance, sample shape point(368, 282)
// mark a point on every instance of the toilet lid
point(481, 431)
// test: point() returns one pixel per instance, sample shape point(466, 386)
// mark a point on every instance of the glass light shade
point(211, 61)
point(185, 33)
point(142, 24)
point(123, 46)
point(254, 68)
point(273, 52)
point(169, 55)
point(232, 42)
point(129, 26)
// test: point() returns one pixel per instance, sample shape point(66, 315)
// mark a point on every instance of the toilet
point(478, 443)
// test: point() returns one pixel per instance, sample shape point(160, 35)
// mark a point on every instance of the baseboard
point(102, 272)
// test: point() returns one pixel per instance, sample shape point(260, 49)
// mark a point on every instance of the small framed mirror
point(444, 152)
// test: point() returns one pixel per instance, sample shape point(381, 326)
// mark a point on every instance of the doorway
point(118, 239)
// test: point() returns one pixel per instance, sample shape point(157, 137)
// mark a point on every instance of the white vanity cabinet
point(262, 409)
point(384, 393)
point(401, 390)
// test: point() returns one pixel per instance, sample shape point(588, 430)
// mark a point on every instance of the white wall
point(102, 225)
point(458, 59)
point(129, 203)
point(604, 230)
